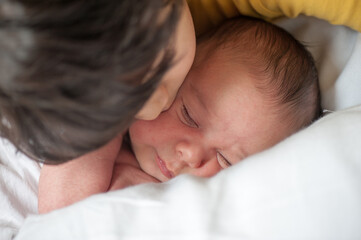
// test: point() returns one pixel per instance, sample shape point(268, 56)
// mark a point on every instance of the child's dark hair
point(284, 66)
point(72, 72)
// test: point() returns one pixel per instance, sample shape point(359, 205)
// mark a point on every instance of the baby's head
point(279, 66)
point(251, 85)
point(73, 74)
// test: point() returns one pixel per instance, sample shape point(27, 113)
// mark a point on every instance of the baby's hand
point(127, 172)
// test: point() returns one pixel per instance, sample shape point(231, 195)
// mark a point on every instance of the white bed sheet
point(307, 187)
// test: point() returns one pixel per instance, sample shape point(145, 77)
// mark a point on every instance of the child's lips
point(163, 168)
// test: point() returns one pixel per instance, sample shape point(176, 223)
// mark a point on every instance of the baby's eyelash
point(223, 162)
point(187, 117)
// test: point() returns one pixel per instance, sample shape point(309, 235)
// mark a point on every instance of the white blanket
point(307, 187)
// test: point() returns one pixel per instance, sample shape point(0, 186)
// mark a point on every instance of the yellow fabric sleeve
point(209, 13)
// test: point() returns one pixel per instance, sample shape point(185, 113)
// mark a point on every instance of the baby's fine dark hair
point(72, 72)
point(285, 70)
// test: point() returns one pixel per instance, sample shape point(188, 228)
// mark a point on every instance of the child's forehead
point(219, 68)
point(222, 95)
point(232, 73)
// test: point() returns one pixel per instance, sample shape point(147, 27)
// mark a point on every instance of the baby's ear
point(155, 104)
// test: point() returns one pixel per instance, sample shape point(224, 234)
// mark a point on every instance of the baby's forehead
point(239, 138)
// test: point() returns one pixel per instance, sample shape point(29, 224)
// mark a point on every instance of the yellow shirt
point(209, 13)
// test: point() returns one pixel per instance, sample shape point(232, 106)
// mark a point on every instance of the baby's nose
point(190, 154)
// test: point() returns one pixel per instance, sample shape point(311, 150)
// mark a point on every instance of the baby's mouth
point(163, 168)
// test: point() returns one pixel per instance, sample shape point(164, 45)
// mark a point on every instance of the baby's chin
point(157, 176)
point(161, 178)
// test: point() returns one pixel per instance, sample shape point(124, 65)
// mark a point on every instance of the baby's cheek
point(208, 170)
point(140, 132)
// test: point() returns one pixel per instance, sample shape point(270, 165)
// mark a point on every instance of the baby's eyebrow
point(198, 94)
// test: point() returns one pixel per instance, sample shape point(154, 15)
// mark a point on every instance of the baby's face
point(217, 119)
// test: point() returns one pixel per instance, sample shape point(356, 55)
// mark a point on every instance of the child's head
point(73, 74)
point(251, 85)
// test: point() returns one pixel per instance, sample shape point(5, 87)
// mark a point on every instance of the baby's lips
point(163, 168)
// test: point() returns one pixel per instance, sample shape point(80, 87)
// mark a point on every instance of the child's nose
point(190, 154)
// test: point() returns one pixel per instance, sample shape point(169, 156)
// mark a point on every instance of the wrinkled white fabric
point(18, 189)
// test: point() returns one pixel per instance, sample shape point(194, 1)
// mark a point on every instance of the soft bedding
point(18, 189)
point(306, 187)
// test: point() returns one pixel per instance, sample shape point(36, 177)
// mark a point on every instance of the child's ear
point(155, 104)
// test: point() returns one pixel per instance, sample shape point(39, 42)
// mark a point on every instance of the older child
point(73, 74)
point(251, 85)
